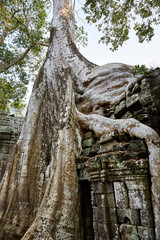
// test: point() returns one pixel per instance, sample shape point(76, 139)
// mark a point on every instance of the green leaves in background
point(24, 32)
point(114, 19)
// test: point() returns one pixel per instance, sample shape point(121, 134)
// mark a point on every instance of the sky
point(132, 52)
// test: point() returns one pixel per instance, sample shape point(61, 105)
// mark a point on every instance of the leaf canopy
point(114, 19)
point(24, 28)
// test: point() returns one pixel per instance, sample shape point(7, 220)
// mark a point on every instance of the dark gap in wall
point(87, 232)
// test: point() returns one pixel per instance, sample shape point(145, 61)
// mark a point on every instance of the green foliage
point(141, 69)
point(113, 18)
point(81, 36)
point(23, 34)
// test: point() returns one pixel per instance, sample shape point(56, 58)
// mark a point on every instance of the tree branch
point(5, 32)
point(23, 55)
point(3, 36)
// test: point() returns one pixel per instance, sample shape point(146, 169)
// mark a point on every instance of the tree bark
point(39, 191)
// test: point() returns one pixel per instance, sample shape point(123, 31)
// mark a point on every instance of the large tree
point(39, 192)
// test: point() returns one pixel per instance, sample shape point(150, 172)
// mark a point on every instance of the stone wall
point(10, 128)
point(115, 169)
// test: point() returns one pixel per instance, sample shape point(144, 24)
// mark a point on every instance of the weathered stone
point(121, 196)
point(94, 165)
point(108, 137)
point(142, 117)
point(120, 109)
point(132, 100)
point(111, 157)
point(98, 187)
point(145, 83)
point(145, 97)
point(110, 200)
point(140, 184)
point(88, 142)
point(136, 89)
point(139, 199)
point(5, 148)
point(109, 187)
point(130, 216)
point(98, 199)
point(102, 229)
point(124, 137)
point(129, 155)
point(146, 218)
point(118, 147)
point(137, 145)
point(108, 147)
point(128, 232)
point(86, 152)
point(112, 213)
point(146, 233)
point(89, 134)
point(84, 174)
point(127, 115)
point(94, 148)
point(114, 231)
point(5, 136)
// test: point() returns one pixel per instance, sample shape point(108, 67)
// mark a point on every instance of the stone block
point(145, 97)
point(120, 109)
point(112, 213)
point(102, 230)
point(157, 232)
point(88, 142)
point(84, 174)
point(136, 89)
point(145, 84)
point(94, 148)
point(128, 232)
point(5, 136)
point(142, 117)
point(137, 145)
point(86, 152)
point(107, 147)
point(146, 233)
point(94, 165)
point(98, 187)
point(108, 137)
point(109, 187)
point(137, 184)
point(121, 196)
point(5, 148)
point(89, 134)
point(110, 200)
point(101, 215)
point(95, 227)
point(94, 211)
point(111, 158)
point(114, 231)
point(130, 216)
point(98, 199)
point(129, 155)
point(132, 100)
point(127, 115)
point(124, 137)
point(146, 218)
point(139, 199)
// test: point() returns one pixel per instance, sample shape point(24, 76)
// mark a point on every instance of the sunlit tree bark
point(39, 191)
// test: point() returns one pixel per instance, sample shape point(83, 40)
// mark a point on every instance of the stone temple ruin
point(113, 170)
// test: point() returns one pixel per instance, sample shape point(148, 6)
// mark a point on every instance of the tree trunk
point(39, 191)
